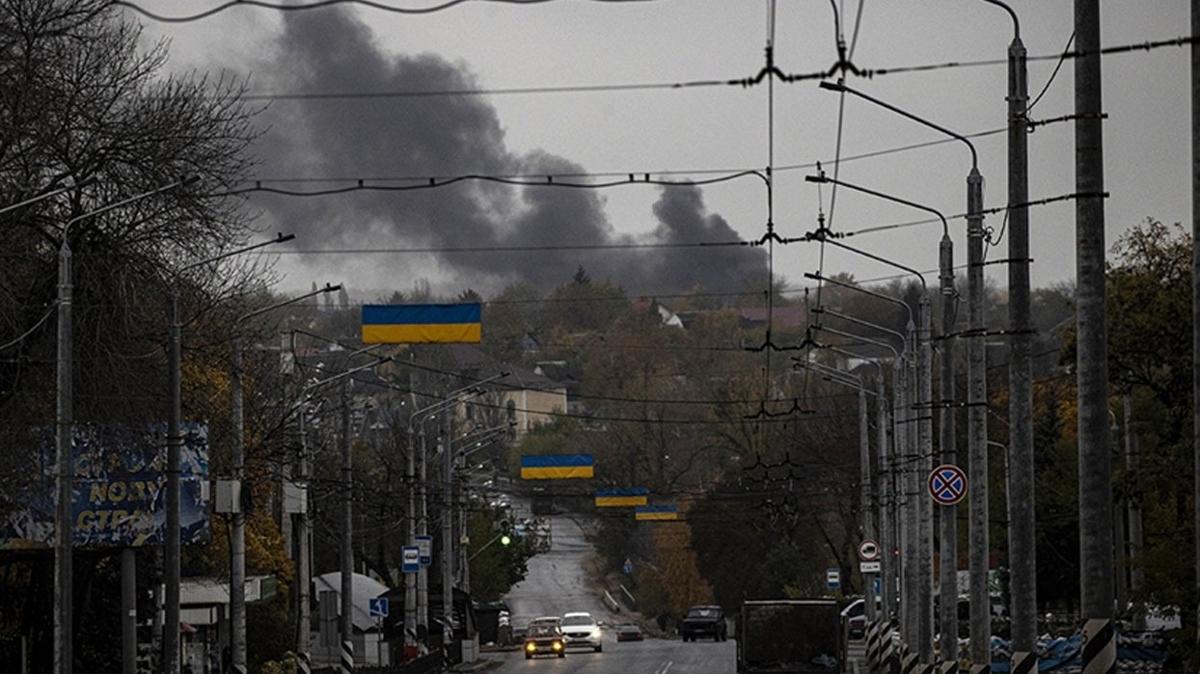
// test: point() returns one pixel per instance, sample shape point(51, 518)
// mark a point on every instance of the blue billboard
point(119, 491)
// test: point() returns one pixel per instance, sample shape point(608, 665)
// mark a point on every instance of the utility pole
point(1196, 292)
point(864, 483)
point(912, 466)
point(304, 561)
point(1095, 462)
point(410, 519)
point(924, 410)
point(884, 493)
point(447, 531)
point(174, 440)
point(1137, 573)
point(1019, 457)
point(128, 611)
point(948, 515)
point(977, 447)
point(346, 619)
point(64, 473)
point(423, 530)
point(237, 542)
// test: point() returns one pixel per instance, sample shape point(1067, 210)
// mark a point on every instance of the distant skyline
point(571, 42)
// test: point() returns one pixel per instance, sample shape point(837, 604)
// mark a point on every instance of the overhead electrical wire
point(321, 4)
point(684, 85)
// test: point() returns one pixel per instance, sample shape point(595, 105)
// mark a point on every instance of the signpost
point(410, 559)
point(425, 545)
point(833, 579)
point(377, 607)
point(868, 551)
point(870, 567)
point(947, 485)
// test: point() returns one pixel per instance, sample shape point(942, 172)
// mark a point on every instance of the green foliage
point(496, 568)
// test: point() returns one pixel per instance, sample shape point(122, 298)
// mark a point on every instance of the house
point(525, 397)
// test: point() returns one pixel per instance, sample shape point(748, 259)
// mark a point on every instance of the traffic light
point(505, 532)
point(505, 539)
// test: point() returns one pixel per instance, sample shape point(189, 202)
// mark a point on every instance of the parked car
point(581, 630)
point(703, 621)
point(629, 632)
point(544, 639)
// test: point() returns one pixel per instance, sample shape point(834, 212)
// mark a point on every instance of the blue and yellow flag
point(422, 323)
point(656, 513)
point(557, 467)
point(616, 497)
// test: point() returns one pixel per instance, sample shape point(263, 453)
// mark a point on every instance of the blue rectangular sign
point(377, 607)
point(410, 559)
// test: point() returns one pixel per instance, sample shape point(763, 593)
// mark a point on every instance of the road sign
point(878, 585)
point(870, 567)
point(410, 559)
point(425, 544)
point(833, 579)
point(868, 550)
point(947, 485)
point(377, 607)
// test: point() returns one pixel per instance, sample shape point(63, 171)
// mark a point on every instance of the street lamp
point(174, 440)
point(304, 570)
point(416, 586)
point(46, 195)
point(237, 543)
point(976, 390)
point(913, 386)
point(64, 533)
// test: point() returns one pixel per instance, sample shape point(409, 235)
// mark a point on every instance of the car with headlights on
point(544, 639)
point(582, 631)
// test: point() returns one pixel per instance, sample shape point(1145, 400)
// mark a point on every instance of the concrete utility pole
point(237, 540)
point(948, 515)
point(128, 611)
point(1133, 503)
point(864, 484)
point(1196, 290)
point(925, 450)
point(346, 619)
point(1019, 456)
point(447, 531)
point(977, 436)
point(883, 468)
point(303, 555)
point(64, 473)
point(1095, 463)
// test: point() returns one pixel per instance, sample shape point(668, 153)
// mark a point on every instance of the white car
point(581, 630)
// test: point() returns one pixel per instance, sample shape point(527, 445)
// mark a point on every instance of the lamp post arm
point(125, 202)
point(822, 178)
point(46, 195)
point(859, 321)
point(1011, 13)
point(872, 293)
point(838, 87)
point(279, 305)
point(851, 335)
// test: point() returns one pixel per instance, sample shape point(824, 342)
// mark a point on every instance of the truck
point(789, 636)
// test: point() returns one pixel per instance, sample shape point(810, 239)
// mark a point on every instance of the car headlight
point(531, 647)
point(595, 632)
point(557, 646)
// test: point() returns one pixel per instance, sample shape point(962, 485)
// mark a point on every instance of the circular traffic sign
point(947, 485)
point(868, 551)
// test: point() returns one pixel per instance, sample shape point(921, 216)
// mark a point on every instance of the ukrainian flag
point(557, 467)
point(421, 323)
point(656, 513)
point(622, 497)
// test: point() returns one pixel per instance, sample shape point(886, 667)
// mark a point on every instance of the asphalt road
point(556, 583)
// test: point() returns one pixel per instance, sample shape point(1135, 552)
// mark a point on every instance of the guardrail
point(611, 603)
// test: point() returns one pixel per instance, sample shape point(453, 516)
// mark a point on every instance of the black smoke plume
point(332, 51)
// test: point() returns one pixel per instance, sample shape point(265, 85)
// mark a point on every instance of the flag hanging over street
point(656, 512)
point(422, 323)
point(557, 467)
point(615, 497)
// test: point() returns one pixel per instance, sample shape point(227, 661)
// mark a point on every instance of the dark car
point(629, 632)
point(703, 621)
point(544, 640)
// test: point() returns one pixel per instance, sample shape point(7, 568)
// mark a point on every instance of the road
point(556, 583)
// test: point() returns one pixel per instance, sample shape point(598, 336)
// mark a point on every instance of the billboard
point(119, 491)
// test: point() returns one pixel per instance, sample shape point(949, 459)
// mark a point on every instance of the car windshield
point(542, 631)
point(702, 613)
point(577, 620)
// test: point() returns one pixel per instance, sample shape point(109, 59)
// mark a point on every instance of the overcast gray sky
point(581, 42)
